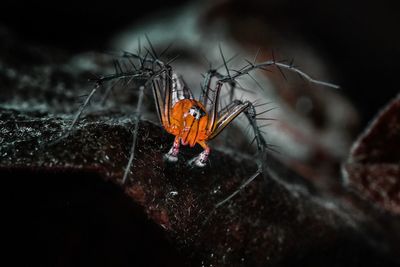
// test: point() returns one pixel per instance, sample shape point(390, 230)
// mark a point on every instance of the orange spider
point(190, 121)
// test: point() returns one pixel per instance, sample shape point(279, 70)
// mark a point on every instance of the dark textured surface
point(261, 225)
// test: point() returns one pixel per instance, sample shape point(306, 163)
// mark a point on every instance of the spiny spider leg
point(135, 133)
point(217, 125)
point(108, 92)
point(249, 110)
point(227, 115)
point(219, 120)
point(206, 86)
point(237, 191)
point(76, 118)
point(162, 97)
point(99, 81)
point(162, 90)
point(163, 108)
point(168, 90)
point(264, 65)
point(82, 108)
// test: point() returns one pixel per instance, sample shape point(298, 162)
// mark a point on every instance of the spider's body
point(188, 122)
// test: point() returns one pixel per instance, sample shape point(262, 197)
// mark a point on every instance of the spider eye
point(195, 112)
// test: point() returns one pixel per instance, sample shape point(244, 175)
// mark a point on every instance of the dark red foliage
point(373, 169)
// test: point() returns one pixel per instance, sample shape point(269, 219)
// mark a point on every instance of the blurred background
point(359, 39)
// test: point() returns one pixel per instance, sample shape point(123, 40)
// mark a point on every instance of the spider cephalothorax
point(188, 122)
point(191, 121)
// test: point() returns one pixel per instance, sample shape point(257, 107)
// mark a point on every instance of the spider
point(191, 121)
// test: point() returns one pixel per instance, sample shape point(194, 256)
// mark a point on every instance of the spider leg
point(172, 154)
point(210, 96)
point(202, 158)
point(162, 90)
point(227, 115)
point(158, 74)
point(206, 86)
point(134, 136)
point(237, 191)
point(82, 108)
point(163, 109)
point(76, 118)
point(108, 92)
point(168, 91)
point(163, 94)
point(279, 65)
point(99, 81)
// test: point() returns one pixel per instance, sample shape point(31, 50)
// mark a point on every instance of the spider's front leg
point(202, 158)
point(172, 154)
